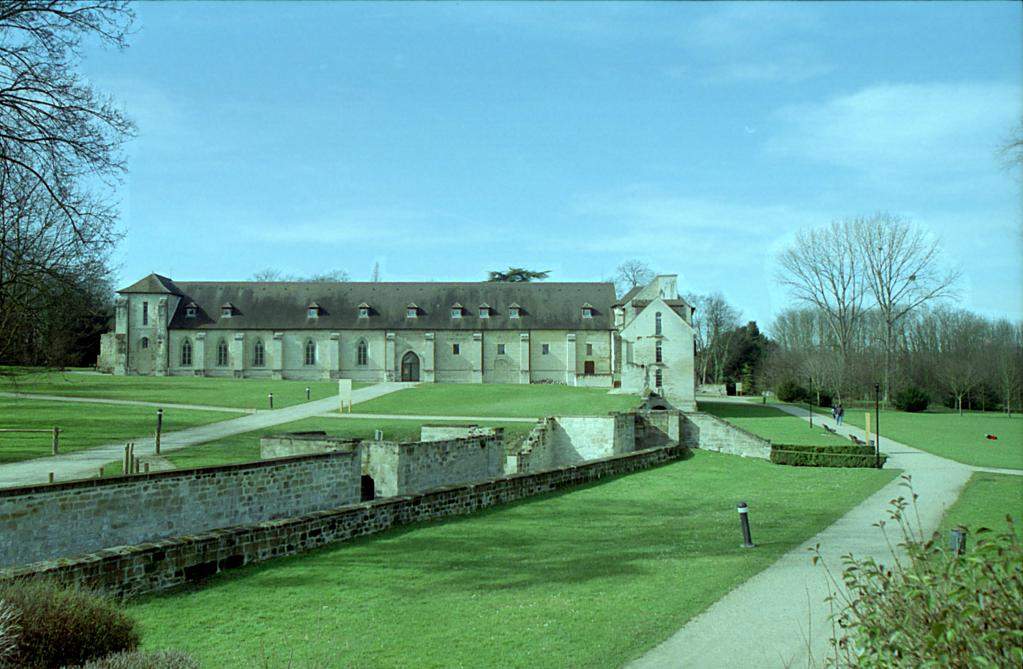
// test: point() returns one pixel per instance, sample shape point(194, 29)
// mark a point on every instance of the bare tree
point(961, 343)
point(1012, 149)
point(903, 270)
point(715, 323)
point(822, 270)
point(376, 273)
point(632, 273)
point(1007, 359)
point(271, 275)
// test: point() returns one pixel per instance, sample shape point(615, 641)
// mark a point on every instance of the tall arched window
point(658, 378)
point(363, 354)
point(657, 323)
point(659, 354)
point(310, 352)
point(222, 355)
point(186, 353)
point(258, 354)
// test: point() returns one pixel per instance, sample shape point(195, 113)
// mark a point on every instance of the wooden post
point(101, 472)
point(51, 477)
point(867, 431)
point(124, 460)
point(56, 440)
point(159, 428)
point(146, 467)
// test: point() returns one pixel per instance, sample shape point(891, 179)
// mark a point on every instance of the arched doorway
point(410, 367)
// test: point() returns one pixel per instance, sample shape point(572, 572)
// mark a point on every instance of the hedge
point(825, 456)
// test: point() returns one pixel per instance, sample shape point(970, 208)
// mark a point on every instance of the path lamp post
point(159, 428)
point(877, 425)
point(307, 393)
point(747, 539)
point(271, 398)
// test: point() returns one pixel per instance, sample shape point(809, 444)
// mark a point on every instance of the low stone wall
point(302, 443)
point(65, 519)
point(708, 432)
point(442, 432)
point(408, 468)
point(134, 570)
point(580, 438)
point(658, 428)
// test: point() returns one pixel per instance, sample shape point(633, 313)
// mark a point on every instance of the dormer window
point(191, 310)
point(484, 311)
point(514, 311)
point(587, 311)
point(456, 310)
point(412, 310)
point(313, 310)
point(226, 310)
point(363, 310)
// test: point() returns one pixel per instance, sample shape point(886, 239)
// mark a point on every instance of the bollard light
point(747, 538)
point(957, 540)
point(271, 398)
point(307, 394)
point(159, 429)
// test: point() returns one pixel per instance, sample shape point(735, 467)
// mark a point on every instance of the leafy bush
point(64, 625)
point(164, 659)
point(928, 607)
point(790, 391)
point(8, 632)
point(912, 399)
point(825, 456)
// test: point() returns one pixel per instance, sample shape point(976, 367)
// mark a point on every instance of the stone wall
point(134, 570)
point(408, 468)
point(702, 430)
point(658, 428)
point(65, 519)
point(442, 432)
point(302, 443)
point(560, 441)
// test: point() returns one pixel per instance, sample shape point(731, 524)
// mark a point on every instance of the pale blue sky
point(445, 140)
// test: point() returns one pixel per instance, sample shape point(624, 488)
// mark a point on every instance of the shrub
point(826, 400)
point(912, 399)
point(65, 625)
point(851, 455)
point(8, 632)
point(790, 391)
point(164, 659)
point(928, 607)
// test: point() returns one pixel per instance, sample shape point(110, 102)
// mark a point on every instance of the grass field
point(241, 393)
point(960, 438)
point(526, 400)
point(985, 501)
point(772, 423)
point(590, 577)
point(85, 425)
point(245, 447)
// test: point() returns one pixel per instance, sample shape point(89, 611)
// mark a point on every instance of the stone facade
point(708, 432)
point(135, 570)
point(66, 519)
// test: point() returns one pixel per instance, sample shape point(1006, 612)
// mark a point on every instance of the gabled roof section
point(624, 299)
point(154, 283)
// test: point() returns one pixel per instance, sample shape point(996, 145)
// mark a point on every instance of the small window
point(658, 353)
point(456, 312)
point(362, 354)
point(500, 349)
point(363, 312)
point(258, 354)
point(484, 312)
point(545, 349)
point(411, 312)
point(589, 349)
point(225, 312)
point(222, 355)
point(190, 312)
point(310, 352)
point(513, 312)
point(455, 349)
point(587, 312)
point(145, 342)
point(314, 312)
point(657, 323)
point(145, 313)
point(659, 378)
point(186, 353)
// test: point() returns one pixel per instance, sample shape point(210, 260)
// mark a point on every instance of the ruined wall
point(658, 428)
point(442, 432)
point(66, 519)
point(702, 430)
point(302, 443)
point(134, 570)
point(564, 440)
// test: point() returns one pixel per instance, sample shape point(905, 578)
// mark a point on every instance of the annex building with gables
point(577, 334)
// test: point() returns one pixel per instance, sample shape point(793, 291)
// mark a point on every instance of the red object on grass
point(991, 437)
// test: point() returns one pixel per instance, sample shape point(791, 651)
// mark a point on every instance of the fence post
point(124, 460)
point(56, 440)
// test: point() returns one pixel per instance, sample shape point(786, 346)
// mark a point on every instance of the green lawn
point(590, 577)
point(960, 438)
point(245, 447)
point(525, 400)
point(85, 425)
point(241, 393)
point(772, 423)
point(985, 501)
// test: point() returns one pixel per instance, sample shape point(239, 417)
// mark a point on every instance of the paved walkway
point(108, 400)
point(83, 464)
point(778, 618)
point(394, 416)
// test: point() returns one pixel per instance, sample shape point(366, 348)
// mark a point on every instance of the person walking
point(834, 413)
point(840, 414)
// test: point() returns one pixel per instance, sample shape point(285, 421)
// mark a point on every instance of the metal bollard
point(271, 398)
point(101, 472)
point(159, 428)
point(957, 540)
point(51, 477)
point(747, 539)
point(307, 394)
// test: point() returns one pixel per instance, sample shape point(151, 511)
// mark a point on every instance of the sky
point(446, 140)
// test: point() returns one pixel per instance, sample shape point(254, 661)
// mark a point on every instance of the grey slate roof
point(154, 283)
point(284, 305)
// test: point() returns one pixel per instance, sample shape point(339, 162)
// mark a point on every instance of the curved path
point(86, 463)
point(779, 617)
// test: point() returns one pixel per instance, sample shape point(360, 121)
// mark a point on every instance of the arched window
point(659, 354)
point(659, 378)
point(186, 353)
point(222, 355)
point(310, 352)
point(657, 323)
point(258, 354)
point(363, 354)
point(145, 342)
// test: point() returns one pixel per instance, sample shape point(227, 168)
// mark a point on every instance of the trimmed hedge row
point(825, 456)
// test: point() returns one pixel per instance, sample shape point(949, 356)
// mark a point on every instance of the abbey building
point(488, 332)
